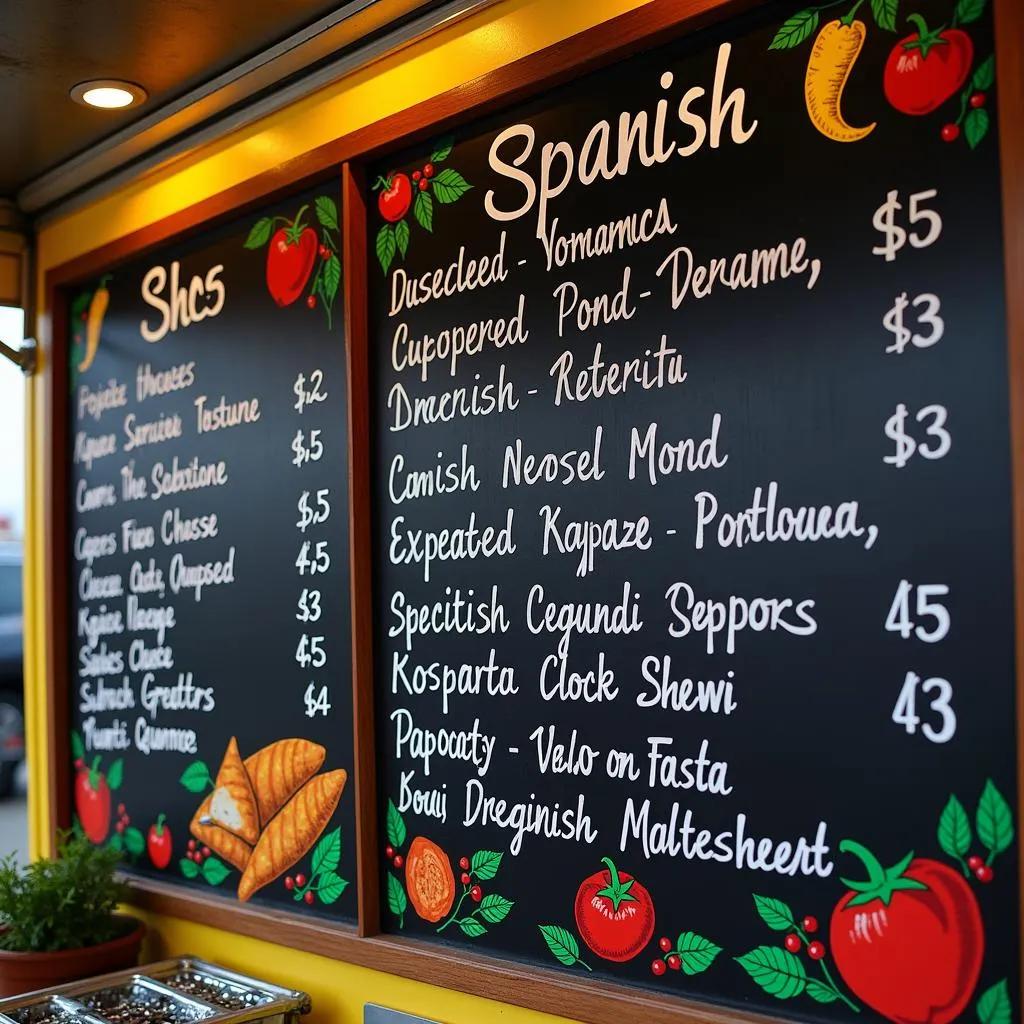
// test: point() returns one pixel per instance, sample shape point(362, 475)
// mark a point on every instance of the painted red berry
point(206, 851)
point(674, 963)
point(810, 924)
point(389, 852)
point(80, 764)
point(793, 943)
point(190, 855)
point(465, 878)
point(416, 175)
point(424, 184)
point(464, 863)
point(428, 171)
point(477, 893)
point(309, 897)
point(191, 844)
point(197, 857)
point(300, 880)
point(120, 808)
point(974, 862)
point(816, 950)
point(950, 133)
point(398, 861)
point(289, 883)
point(125, 820)
point(978, 100)
point(984, 874)
point(120, 827)
point(665, 944)
point(311, 302)
point(658, 968)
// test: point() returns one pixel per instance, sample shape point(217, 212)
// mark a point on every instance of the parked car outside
point(12, 719)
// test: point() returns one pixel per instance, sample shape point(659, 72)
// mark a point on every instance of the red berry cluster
point(123, 821)
point(951, 132)
point(298, 882)
point(197, 853)
point(422, 178)
point(325, 254)
point(476, 894)
point(671, 962)
point(794, 943)
point(982, 872)
point(397, 860)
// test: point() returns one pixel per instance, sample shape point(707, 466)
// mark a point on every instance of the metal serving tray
point(182, 991)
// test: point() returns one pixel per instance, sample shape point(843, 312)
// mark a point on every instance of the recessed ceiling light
point(108, 94)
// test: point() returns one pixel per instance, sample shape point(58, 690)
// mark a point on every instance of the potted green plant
point(59, 920)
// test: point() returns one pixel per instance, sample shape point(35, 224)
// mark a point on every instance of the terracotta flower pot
point(27, 972)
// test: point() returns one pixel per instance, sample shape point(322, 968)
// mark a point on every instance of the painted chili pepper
point(832, 58)
point(94, 323)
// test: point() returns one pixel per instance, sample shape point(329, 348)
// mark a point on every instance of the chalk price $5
point(926, 221)
point(311, 452)
point(315, 512)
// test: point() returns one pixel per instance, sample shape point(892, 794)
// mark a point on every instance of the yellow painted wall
point(494, 37)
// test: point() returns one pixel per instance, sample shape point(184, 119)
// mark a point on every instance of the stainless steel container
point(182, 991)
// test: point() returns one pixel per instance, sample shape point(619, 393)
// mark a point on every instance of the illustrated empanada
point(292, 833)
point(233, 803)
point(279, 770)
point(225, 844)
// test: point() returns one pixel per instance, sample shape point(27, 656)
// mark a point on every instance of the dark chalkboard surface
point(693, 597)
point(210, 618)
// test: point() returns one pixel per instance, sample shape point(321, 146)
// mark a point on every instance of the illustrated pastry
point(290, 835)
point(222, 842)
point(233, 803)
point(429, 879)
point(279, 770)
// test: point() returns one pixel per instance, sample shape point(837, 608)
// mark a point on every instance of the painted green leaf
point(994, 820)
point(885, 13)
point(395, 826)
point(116, 842)
point(76, 827)
point(331, 279)
point(976, 127)
point(494, 908)
point(820, 992)
point(561, 942)
point(442, 149)
point(985, 76)
point(402, 237)
point(327, 853)
point(795, 30)
point(696, 953)
point(449, 186)
point(214, 871)
point(776, 970)
point(954, 829)
point(116, 774)
point(260, 233)
point(386, 246)
point(969, 10)
point(196, 777)
point(327, 212)
point(80, 304)
point(471, 927)
point(134, 841)
point(424, 210)
point(994, 1004)
point(485, 864)
point(189, 868)
point(397, 901)
point(774, 913)
point(330, 888)
point(77, 747)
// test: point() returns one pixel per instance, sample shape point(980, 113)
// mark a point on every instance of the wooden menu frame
point(490, 977)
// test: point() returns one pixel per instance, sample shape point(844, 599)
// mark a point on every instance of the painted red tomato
point(158, 842)
point(92, 802)
point(909, 941)
point(395, 197)
point(614, 914)
point(927, 68)
point(290, 261)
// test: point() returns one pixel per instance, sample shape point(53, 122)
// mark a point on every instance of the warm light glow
point(108, 94)
point(108, 97)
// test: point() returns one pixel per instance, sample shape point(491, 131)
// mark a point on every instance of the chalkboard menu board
point(693, 604)
point(210, 608)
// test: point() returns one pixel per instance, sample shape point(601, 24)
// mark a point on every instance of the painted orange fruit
point(429, 880)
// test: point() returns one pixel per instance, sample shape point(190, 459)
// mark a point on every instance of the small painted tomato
point(395, 197)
